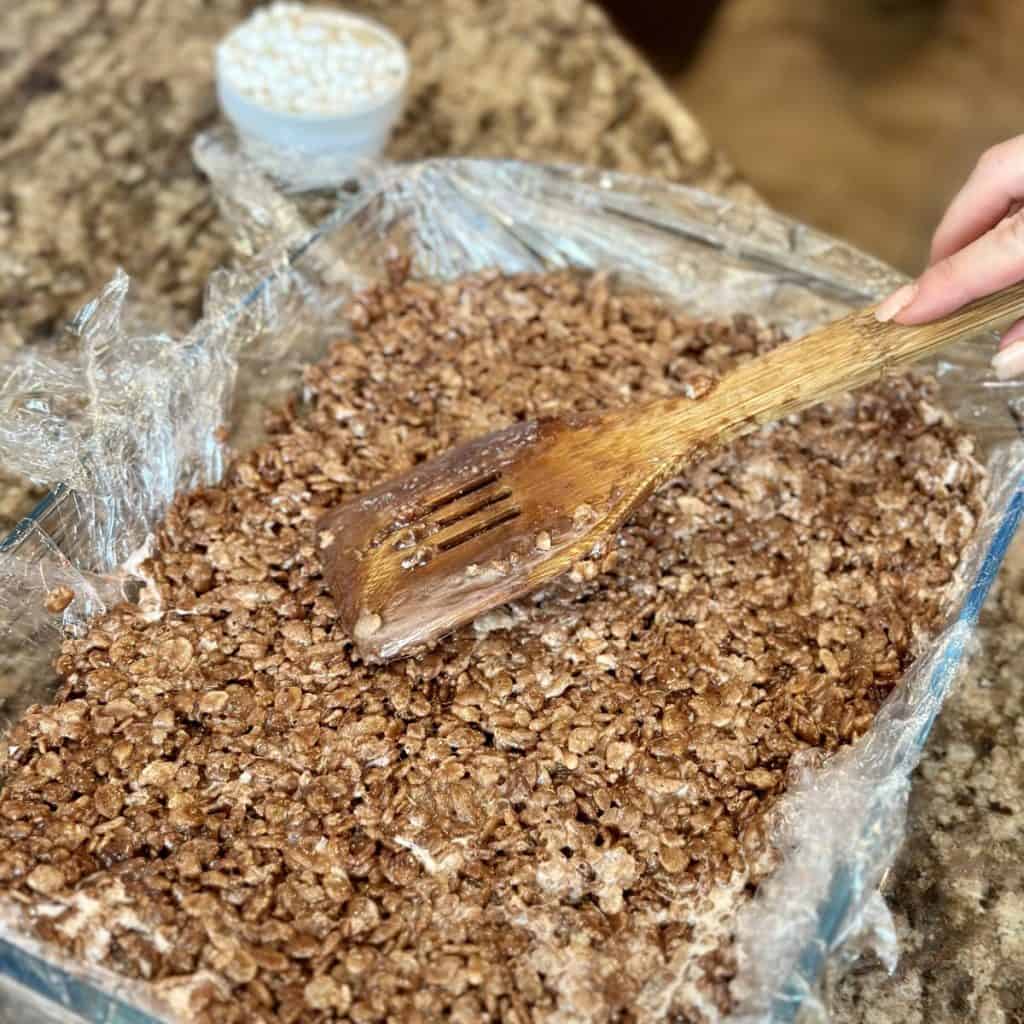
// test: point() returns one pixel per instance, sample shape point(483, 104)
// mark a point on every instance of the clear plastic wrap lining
point(120, 420)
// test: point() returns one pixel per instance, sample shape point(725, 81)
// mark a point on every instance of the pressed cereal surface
point(553, 815)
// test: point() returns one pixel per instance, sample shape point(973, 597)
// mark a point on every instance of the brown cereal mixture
point(58, 599)
point(552, 816)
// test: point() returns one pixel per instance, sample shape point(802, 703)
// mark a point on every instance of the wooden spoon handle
point(841, 356)
point(851, 352)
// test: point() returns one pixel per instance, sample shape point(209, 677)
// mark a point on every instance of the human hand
point(977, 249)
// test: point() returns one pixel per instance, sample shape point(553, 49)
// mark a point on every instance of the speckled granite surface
point(99, 100)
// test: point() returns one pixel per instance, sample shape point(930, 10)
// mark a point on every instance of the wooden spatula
point(497, 518)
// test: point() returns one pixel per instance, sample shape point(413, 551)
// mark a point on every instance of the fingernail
point(1010, 361)
point(896, 303)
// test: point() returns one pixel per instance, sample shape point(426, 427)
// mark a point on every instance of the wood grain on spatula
point(497, 518)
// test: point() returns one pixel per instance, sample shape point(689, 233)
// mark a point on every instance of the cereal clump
point(554, 814)
point(58, 599)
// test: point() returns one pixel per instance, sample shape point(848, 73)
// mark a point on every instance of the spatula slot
point(478, 529)
point(486, 501)
point(461, 492)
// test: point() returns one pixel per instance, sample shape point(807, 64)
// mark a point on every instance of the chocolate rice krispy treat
point(553, 815)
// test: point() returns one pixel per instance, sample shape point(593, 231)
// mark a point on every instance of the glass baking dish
point(839, 826)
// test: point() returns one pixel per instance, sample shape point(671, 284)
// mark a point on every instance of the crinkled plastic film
point(120, 420)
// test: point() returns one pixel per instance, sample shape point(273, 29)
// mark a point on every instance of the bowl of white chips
point(312, 92)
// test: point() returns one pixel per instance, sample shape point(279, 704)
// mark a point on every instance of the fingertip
point(941, 247)
point(991, 192)
point(890, 308)
point(1009, 362)
point(1012, 336)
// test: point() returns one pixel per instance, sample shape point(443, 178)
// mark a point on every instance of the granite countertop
point(99, 102)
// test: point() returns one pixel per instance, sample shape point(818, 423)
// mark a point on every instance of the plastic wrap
point(120, 420)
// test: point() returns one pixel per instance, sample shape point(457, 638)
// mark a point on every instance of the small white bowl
point(317, 149)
